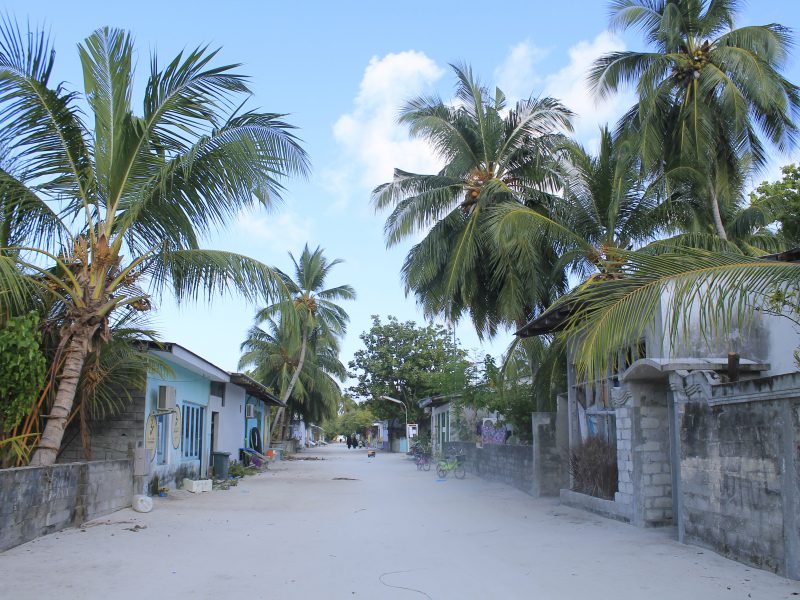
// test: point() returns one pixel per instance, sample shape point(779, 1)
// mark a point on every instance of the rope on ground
point(400, 587)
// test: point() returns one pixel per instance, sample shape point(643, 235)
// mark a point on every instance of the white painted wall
point(231, 420)
point(765, 338)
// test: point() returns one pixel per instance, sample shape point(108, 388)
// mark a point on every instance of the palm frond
point(44, 124)
point(204, 274)
point(713, 293)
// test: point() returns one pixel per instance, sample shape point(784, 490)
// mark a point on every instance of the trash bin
point(221, 461)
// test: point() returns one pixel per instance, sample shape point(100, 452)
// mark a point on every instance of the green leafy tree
point(139, 189)
point(783, 197)
point(22, 369)
point(353, 418)
point(495, 155)
point(710, 95)
point(407, 362)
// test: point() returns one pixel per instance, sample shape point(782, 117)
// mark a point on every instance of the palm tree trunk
point(48, 447)
point(715, 212)
point(295, 376)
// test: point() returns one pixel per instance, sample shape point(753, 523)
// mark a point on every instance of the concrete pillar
point(651, 474)
point(549, 470)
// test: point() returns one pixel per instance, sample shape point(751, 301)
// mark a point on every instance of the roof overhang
point(552, 320)
point(255, 389)
point(177, 354)
point(792, 255)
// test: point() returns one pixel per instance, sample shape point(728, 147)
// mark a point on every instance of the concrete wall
point(35, 501)
point(112, 438)
point(550, 455)
point(739, 472)
point(765, 338)
point(512, 465)
point(651, 475)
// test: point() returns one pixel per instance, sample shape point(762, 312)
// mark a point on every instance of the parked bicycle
point(419, 447)
point(423, 461)
point(452, 464)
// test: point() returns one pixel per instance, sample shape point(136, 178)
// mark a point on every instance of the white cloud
point(520, 75)
point(286, 232)
point(570, 85)
point(373, 143)
point(517, 76)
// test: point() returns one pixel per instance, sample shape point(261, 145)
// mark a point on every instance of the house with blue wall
point(179, 414)
point(187, 411)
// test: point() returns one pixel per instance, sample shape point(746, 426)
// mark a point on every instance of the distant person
point(349, 442)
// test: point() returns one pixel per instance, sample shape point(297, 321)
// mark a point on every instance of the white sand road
point(386, 531)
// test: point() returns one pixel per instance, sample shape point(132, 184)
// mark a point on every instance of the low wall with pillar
point(539, 469)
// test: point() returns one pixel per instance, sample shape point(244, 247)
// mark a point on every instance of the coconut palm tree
point(709, 94)
point(604, 208)
point(138, 190)
point(749, 227)
point(308, 387)
point(309, 314)
point(494, 155)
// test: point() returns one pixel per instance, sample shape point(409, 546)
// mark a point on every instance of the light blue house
point(185, 414)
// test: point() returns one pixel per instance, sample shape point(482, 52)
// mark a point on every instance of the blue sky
point(342, 69)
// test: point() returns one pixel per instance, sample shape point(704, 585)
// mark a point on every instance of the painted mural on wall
point(492, 433)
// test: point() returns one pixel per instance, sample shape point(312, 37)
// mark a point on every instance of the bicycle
point(423, 461)
point(454, 464)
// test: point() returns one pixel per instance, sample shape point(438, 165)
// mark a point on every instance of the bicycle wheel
point(441, 472)
point(460, 472)
point(419, 466)
point(426, 466)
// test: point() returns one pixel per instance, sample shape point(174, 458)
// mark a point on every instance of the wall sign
point(176, 427)
point(151, 433)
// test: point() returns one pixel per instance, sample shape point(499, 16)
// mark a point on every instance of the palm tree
point(749, 227)
point(140, 189)
point(708, 94)
point(494, 155)
point(309, 314)
point(308, 389)
point(605, 208)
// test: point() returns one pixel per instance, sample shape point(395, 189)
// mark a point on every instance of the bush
point(238, 470)
point(593, 467)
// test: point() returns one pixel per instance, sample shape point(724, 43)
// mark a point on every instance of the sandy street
point(385, 531)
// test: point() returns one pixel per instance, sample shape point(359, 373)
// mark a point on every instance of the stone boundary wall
point(739, 475)
point(35, 501)
point(512, 465)
point(540, 469)
point(731, 479)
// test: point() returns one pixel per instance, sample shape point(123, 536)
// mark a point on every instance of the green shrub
point(22, 368)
